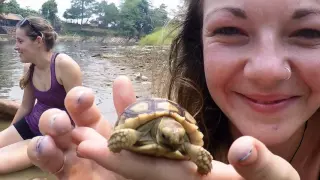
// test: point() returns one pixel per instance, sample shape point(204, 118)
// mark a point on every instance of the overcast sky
point(65, 4)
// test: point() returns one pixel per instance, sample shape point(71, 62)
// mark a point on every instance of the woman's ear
point(39, 41)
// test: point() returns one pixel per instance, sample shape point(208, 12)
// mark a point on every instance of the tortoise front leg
point(200, 156)
point(123, 139)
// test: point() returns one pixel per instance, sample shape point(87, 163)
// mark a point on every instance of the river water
point(98, 74)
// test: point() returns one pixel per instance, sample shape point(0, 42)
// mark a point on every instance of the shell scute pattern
point(138, 129)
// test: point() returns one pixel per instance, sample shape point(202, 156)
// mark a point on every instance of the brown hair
point(48, 35)
point(188, 85)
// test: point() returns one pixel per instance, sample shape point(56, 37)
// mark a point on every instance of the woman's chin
point(268, 134)
point(23, 60)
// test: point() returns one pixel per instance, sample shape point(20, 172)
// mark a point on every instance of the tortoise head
point(170, 133)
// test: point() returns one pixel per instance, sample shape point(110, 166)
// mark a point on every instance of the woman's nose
point(267, 67)
point(16, 47)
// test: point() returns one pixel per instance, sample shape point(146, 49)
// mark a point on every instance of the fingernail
point(245, 155)
point(53, 119)
point(39, 145)
point(78, 154)
point(80, 96)
point(57, 124)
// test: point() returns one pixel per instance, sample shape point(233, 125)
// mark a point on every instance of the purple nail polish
point(39, 145)
point(245, 156)
point(53, 119)
point(80, 96)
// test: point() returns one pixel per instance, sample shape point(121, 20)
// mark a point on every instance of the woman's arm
point(27, 100)
point(68, 71)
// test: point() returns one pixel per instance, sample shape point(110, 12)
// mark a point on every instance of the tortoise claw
point(200, 156)
point(203, 161)
point(122, 139)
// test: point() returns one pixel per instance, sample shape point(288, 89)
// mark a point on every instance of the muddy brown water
point(98, 73)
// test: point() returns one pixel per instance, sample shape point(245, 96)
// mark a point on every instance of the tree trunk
point(82, 9)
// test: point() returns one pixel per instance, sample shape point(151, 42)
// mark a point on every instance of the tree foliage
point(12, 6)
point(108, 14)
point(132, 19)
point(80, 9)
point(49, 10)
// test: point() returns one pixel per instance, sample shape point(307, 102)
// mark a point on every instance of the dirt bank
point(149, 65)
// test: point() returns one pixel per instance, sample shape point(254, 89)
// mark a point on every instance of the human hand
point(56, 148)
point(260, 163)
point(93, 145)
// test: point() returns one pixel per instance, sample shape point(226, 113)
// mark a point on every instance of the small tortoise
point(161, 128)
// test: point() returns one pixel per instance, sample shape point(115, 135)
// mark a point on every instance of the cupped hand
point(55, 152)
point(250, 159)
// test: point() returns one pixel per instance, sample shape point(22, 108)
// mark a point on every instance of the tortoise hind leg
point(123, 139)
point(200, 156)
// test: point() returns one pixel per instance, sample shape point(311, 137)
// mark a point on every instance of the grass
point(161, 36)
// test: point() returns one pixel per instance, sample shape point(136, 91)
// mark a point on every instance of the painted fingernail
point(53, 119)
point(39, 145)
point(80, 97)
point(58, 124)
point(245, 155)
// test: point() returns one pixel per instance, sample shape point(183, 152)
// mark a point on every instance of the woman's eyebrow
point(301, 13)
point(235, 11)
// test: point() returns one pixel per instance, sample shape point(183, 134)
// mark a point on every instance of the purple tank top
point(53, 98)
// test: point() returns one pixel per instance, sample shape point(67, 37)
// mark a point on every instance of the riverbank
point(149, 65)
point(109, 40)
point(6, 38)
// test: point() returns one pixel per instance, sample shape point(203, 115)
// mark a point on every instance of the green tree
point(159, 16)
point(28, 12)
point(80, 9)
point(12, 7)
point(108, 14)
point(49, 10)
point(1, 6)
point(135, 18)
point(73, 13)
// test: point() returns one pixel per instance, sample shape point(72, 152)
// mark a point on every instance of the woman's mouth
point(268, 103)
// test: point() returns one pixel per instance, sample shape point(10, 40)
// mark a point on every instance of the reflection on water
point(98, 74)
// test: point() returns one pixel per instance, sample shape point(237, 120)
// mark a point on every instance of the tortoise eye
point(163, 136)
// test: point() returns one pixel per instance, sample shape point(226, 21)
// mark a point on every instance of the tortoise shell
point(146, 110)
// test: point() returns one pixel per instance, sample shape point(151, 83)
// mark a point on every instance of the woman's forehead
point(261, 8)
point(20, 33)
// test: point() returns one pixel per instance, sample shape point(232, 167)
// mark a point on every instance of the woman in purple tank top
point(47, 77)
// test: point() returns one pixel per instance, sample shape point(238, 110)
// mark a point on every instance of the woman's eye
point(228, 31)
point(307, 33)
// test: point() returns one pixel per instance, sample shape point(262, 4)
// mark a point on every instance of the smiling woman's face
point(250, 49)
point(26, 47)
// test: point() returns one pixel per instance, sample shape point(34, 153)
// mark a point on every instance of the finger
point(80, 105)
point(123, 93)
point(57, 124)
point(253, 160)
point(85, 133)
point(44, 153)
point(132, 166)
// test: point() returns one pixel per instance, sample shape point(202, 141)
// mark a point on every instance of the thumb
point(253, 161)
point(123, 93)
